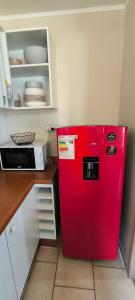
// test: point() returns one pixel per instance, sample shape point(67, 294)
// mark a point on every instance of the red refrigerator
point(91, 171)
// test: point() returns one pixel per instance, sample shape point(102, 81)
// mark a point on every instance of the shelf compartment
point(46, 225)
point(44, 194)
point(27, 70)
point(45, 204)
point(48, 234)
point(18, 84)
point(20, 39)
point(46, 215)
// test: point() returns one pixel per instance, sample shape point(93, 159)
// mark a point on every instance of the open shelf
point(28, 70)
point(46, 225)
point(44, 206)
point(45, 215)
point(27, 108)
point(13, 44)
point(20, 39)
point(47, 234)
point(44, 193)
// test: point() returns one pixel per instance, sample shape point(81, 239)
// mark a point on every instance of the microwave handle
point(1, 165)
point(39, 159)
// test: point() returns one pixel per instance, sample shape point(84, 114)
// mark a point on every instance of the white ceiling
point(12, 7)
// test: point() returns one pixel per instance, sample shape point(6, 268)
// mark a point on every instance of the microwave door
point(18, 158)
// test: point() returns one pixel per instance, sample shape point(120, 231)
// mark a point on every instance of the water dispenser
point(90, 168)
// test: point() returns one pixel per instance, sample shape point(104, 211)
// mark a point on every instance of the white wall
point(87, 58)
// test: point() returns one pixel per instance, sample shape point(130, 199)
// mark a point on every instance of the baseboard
point(48, 243)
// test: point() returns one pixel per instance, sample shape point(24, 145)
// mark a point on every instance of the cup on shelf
point(17, 100)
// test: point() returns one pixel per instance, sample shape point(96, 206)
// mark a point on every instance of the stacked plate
point(34, 94)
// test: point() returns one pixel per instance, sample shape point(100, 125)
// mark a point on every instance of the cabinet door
point(7, 284)
point(16, 239)
point(30, 220)
point(3, 93)
point(5, 77)
point(4, 53)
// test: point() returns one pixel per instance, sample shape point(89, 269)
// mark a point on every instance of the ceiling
point(12, 7)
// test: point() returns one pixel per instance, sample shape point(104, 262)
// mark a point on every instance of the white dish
point(36, 103)
point(34, 98)
point(33, 84)
point(34, 92)
point(35, 55)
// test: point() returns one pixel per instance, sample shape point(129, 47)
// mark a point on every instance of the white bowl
point(34, 98)
point(36, 103)
point(35, 55)
point(34, 92)
point(33, 84)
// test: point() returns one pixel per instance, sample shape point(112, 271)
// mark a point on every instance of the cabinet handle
point(12, 229)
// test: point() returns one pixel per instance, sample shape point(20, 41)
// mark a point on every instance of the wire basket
point(24, 138)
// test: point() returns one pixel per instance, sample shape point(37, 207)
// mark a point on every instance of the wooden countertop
point(14, 187)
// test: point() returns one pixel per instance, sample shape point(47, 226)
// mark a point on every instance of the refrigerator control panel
point(111, 137)
point(90, 168)
point(111, 150)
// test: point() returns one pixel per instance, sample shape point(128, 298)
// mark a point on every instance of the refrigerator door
point(90, 192)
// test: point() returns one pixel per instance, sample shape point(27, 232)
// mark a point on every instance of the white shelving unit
point(12, 44)
point(46, 211)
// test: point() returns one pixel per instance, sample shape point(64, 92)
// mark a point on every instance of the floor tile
point(47, 254)
point(113, 284)
point(74, 273)
point(118, 263)
point(61, 293)
point(40, 285)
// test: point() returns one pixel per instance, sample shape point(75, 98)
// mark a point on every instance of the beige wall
point(127, 116)
point(87, 57)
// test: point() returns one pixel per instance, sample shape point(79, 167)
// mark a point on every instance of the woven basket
point(24, 138)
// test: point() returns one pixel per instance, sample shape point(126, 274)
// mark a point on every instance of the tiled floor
point(55, 277)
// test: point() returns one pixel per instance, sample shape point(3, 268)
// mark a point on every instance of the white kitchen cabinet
point(16, 239)
point(12, 44)
point(7, 283)
point(22, 238)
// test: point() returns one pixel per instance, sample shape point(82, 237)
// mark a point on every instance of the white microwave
point(23, 157)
